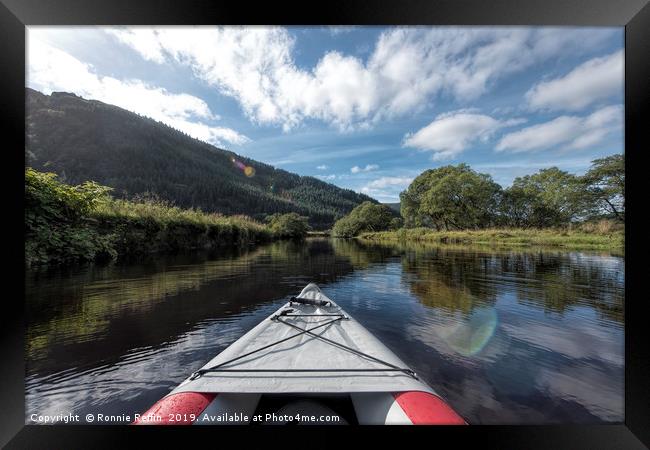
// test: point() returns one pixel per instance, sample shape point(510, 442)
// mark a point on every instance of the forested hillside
point(83, 140)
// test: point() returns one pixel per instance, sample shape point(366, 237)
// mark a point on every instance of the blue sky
point(365, 108)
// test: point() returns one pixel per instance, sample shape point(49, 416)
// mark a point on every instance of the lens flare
point(471, 336)
point(249, 171)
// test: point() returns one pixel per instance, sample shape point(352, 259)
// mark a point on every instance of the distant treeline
point(458, 198)
point(453, 198)
point(65, 223)
point(83, 140)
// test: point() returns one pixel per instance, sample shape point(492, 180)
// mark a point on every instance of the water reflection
point(522, 335)
point(507, 336)
point(461, 278)
point(70, 313)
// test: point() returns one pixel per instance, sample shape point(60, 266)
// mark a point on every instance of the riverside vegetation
point(65, 223)
point(455, 204)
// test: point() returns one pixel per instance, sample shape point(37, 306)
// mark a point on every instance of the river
point(506, 336)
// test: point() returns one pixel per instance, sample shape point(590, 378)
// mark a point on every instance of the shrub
point(289, 225)
point(57, 228)
point(367, 216)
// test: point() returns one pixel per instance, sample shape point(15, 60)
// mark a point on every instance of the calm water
point(506, 336)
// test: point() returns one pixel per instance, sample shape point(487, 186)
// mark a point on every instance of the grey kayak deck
point(265, 371)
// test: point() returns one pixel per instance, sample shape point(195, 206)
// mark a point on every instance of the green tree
point(451, 197)
point(550, 197)
point(521, 207)
point(605, 183)
point(367, 216)
point(290, 225)
point(410, 201)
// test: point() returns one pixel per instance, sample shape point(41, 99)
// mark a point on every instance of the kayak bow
point(309, 362)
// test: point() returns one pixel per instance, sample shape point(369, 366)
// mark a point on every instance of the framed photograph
point(356, 214)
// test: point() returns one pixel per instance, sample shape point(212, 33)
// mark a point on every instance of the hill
point(83, 140)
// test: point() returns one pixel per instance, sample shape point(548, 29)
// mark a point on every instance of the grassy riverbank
point(586, 237)
point(154, 226)
point(65, 224)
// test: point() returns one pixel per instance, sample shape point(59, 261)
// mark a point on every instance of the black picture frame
point(634, 15)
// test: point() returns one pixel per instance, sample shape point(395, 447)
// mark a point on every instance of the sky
point(365, 108)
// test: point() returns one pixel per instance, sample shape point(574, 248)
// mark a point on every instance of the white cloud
point(406, 70)
point(322, 167)
point(386, 189)
point(368, 168)
point(565, 132)
point(451, 133)
point(207, 133)
point(590, 82)
point(51, 69)
point(389, 181)
point(326, 177)
point(142, 40)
